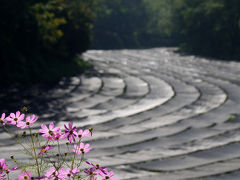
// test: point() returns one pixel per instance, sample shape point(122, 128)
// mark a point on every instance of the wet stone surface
point(155, 114)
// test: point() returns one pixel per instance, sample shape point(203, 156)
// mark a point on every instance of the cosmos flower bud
point(24, 109)
point(24, 134)
point(90, 130)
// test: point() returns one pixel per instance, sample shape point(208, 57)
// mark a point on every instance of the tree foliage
point(37, 37)
point(208, 27)
point(119, 23)
point(133, 24)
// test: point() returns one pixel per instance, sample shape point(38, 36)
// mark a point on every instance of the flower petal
point(66, 127)
point(21, 117)
point(12, 115)
point(3, 116)
point(81, 145)
point(70, 125)
point(51, 125)
point(18, 114)
point(87, 145)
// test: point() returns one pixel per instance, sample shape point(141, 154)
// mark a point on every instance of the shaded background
point(40, 41)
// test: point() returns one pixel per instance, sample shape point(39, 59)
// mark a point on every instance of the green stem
point(74, 156)
point(79, 164)
point(60, 154)
point(18, 141)
point(73, 161)
point(34, 150)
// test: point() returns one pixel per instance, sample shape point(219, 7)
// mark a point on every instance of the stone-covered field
point(156, 114)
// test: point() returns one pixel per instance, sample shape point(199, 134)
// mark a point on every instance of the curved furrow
point(151, 100)
point(111, 87)
point(175, 137)
point(89, 87)
point(111, 96)
point(219, 170)
point(220, 115)
point(184, 141)
point(120, 124)
point(204, 151)
point(130, 129)
point(64, 87)
point(186, 93)
point(211, 98)
point(180, 160)
point(135, 88)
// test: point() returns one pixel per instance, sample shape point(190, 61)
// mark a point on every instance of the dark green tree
point(119, 24)
point(208, 27)
point(39, 39)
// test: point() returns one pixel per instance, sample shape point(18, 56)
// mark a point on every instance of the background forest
point(204, 27)
point(40, 40)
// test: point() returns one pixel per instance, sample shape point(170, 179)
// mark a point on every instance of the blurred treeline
point(204, 27)
point(133, 24)
point(208, 27)
point(39, 39)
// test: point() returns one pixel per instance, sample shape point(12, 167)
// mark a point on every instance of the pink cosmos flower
point(90, 130)
point(29, 121)
point(2, 119)
point(53, 174)
point(107, 175)
point(68, 173)
point(15, 118)
point(25, 175)
point(82, 134)
point(71, 132)
point(4, 168)
point(81, 148)
point(44, 149)
point(92, 173)
point(50, 132)
point(59, 136)
point(93, 178)
point(97, 167)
